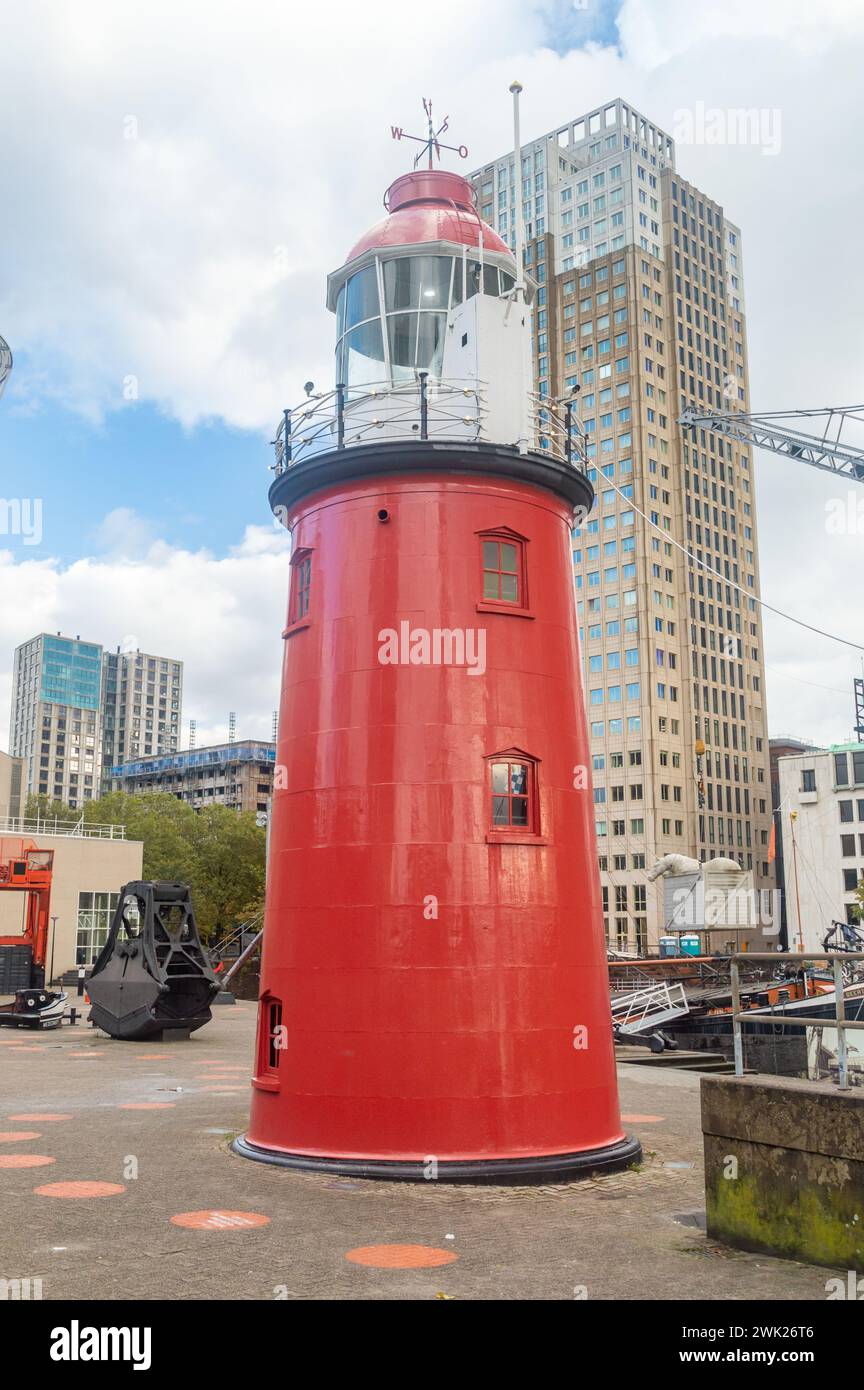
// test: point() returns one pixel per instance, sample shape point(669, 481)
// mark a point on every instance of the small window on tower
point(301, 590)
point(501, 571)
point(511, 785)
point(513, 797)
point(504, 586)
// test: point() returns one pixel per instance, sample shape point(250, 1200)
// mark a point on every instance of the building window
point(270, 1037)
point(841, 770)
point(808, 779)
point(502, 571)
point(850, 880)
point(512, 790)
point(95, 913)
point(301, 579)
point(503, 578)
point(511, 794)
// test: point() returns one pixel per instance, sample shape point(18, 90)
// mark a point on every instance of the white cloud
point(222, 616)
point(191, 257)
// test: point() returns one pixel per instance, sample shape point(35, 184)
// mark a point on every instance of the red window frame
point(498, 603)
point(507, 794)
point(300, 592)
point(269, 1024)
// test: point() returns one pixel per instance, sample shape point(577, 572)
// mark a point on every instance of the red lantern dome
point(430, 205)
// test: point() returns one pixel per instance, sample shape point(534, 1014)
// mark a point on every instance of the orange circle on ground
point(17, 1136)
point(26, 1047)
point(82, 1054)
point(222, 1090)
point(643, 1119)
point(37, 1116)
point(25, 1160)
point(219, 1220)
point(401, 1256)
point(152, 1056)
point(148, 1105)
point(79, 1189)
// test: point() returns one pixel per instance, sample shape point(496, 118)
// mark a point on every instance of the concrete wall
point(784, 1168)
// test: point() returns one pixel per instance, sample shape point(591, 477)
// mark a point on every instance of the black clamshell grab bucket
point(152, 976)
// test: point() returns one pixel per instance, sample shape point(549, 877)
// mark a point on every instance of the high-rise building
point(640, 313)
point(142, 703)
point(56, 720)
point(77, 710)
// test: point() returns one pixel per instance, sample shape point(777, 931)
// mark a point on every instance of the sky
point(178, 180)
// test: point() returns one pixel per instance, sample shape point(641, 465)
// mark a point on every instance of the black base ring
point(545, 1168)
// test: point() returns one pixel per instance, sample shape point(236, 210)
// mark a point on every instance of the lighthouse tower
point(434, 995)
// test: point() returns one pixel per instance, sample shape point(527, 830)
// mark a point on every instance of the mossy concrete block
point(784, 1168)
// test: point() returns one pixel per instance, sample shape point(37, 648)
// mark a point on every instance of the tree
point(219, 852)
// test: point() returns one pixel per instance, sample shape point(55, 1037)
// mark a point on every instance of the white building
point(822, 811)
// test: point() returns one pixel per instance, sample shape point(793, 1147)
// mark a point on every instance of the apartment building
point(822, 815)
point(56, 723)
point(239, 775)
point(142, 705)
point(640, 314)
point(77, 709)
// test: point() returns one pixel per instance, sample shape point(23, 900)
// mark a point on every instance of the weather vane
point(430, 142)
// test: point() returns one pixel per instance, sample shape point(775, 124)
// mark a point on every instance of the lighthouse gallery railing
point(419, 409)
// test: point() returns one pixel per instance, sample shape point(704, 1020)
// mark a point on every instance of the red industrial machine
point(434, 993)
point(26, 869)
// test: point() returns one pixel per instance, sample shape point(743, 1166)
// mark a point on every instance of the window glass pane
point(363, 355)
point(520, 810)
point(509, 589)
point(499, 810)
point(490, 585)
point(430, 342)
point(490, 555)
point(417, 282)
point(402, 331)
point(507, 282)
point(499, 777)
point(340, 313)
point(490, 279)
point(362, 297)
point(508, 558)
point(518, 778)
point(456, 292)
point(472, 279)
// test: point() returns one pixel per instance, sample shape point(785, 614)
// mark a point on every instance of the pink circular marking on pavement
point(643, 1119)
point(148, 1105)
point(17, 1136)
point(25, 1160)
point(215, 1220)
point(48, 1115)
point(401, 1256)
point(79, 1189)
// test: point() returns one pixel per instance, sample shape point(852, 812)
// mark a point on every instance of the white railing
point(425, 408)
point(641, 1009)
point(56, 825)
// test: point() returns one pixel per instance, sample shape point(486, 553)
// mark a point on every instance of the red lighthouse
point(434, 990)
